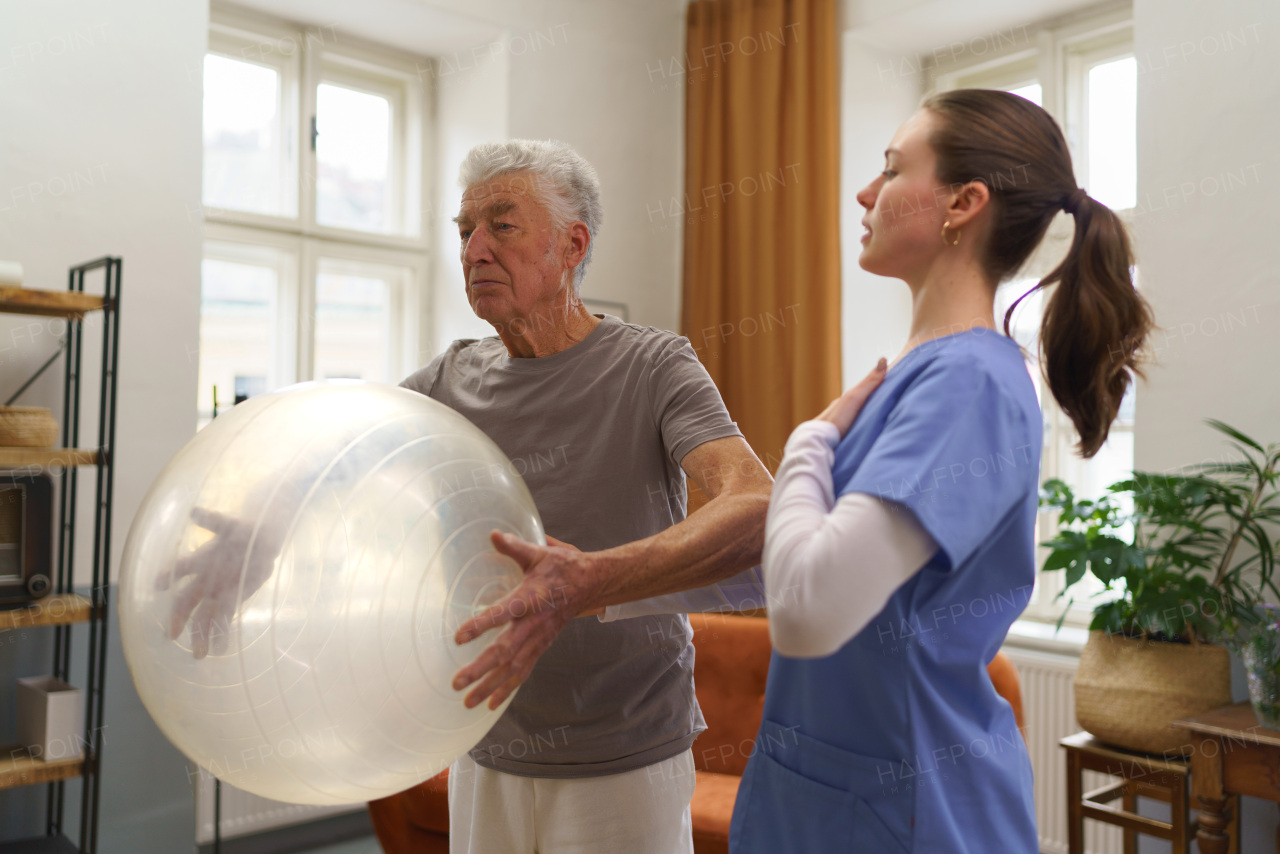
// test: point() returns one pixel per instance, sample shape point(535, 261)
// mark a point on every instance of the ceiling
point(920, 26)
point(436, 27)
point(410, 25)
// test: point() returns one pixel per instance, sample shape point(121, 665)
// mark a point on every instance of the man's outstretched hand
point(212, 590)
point(558, 585)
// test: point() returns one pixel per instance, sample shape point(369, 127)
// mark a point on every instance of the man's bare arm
point(721, 539)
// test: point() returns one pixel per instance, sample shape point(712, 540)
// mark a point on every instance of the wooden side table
point(1139, 775)
point(1233, 755)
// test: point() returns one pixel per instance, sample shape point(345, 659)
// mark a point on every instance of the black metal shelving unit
point(92, 609)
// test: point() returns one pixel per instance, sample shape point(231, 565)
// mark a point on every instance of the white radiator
point(1049, 704)
point(244, 814)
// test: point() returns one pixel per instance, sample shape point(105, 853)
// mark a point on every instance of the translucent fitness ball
point(293, 580)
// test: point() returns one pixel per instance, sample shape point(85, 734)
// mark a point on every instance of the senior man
point(594, 752)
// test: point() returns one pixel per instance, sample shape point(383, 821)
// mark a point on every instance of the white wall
point(1208, 164)
point(101, 113)
point(101, 108)
point(601, 94)
point(466, 116)
point(879, 91)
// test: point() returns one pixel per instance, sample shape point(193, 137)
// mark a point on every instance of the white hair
point(572, 191)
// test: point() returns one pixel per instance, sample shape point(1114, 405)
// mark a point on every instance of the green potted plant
point(1185, 562)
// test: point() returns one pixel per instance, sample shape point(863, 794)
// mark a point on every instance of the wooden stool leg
point(1130, 804)
point(1075, 804)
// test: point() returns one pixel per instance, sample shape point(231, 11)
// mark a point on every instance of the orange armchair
point(731, 665)
point(416, 821)
point(730, 669)
point(1004, 676)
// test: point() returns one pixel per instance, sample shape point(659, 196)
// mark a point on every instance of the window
point(1033, 92)
point(1084, 74)
point(1102, 117)
point(246, 138)
point(242, 331)
point(315, 247)
point(356, 332)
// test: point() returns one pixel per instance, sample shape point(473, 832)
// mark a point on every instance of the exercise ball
point(326, 542)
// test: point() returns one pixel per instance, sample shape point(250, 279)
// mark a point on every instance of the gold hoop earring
point(955, 242)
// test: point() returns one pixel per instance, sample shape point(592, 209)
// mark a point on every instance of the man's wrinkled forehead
point(487, 207)
point(499, 195)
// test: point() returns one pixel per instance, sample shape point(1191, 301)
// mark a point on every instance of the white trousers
point(645, 811)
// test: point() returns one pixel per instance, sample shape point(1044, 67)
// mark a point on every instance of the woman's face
point(905, 205)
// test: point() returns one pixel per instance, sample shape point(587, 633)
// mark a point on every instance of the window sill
point(294, 226)
point(1041, 637)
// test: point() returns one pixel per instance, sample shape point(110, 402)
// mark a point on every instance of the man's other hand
point(207, 583)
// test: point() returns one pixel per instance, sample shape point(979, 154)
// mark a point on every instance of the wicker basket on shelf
point(1129, 691)
point(27, 427)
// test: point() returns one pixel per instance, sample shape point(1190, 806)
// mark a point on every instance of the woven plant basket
point(1129, 690)
point(27, 427)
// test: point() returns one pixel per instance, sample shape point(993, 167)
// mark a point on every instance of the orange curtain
point(761, 210)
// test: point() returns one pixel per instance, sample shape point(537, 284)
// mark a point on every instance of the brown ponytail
point(1094, 323)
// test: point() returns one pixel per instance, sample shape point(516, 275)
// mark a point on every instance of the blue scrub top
point(898, 742)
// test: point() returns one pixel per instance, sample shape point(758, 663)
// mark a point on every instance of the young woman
point(899, 545)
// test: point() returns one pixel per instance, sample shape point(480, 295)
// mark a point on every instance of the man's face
point(513, 258)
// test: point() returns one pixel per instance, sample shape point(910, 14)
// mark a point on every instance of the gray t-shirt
point(597, 432)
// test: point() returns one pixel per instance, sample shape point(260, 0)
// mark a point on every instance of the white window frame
point(359, 68)
point(305, 57)
point(281, 254)
point(230, 40)
point(1063, 52)
point(404, 299)
point(1079, 58)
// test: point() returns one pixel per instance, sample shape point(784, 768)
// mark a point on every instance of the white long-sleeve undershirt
point(830, 566)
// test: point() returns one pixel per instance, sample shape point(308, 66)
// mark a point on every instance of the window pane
point(1087, 478)
point(1090, 478)
point(1025, 324)
point(354, 336)
point(1113, 133)
point(238, 310)
point(353, 153)
point(1032, 92)
point(245, 161)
